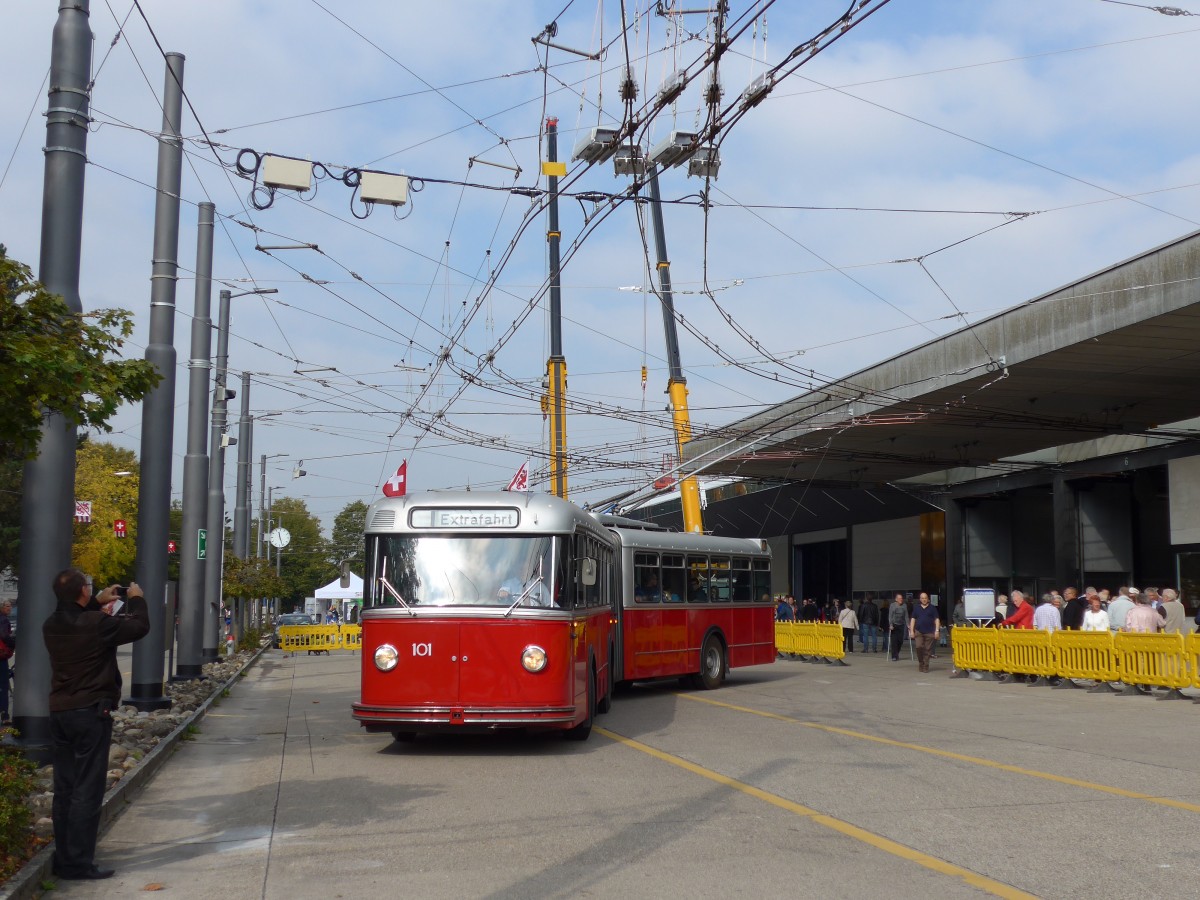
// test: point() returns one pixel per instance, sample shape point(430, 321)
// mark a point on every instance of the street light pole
point(195, 463)
point(215, 550)
point(158, 407)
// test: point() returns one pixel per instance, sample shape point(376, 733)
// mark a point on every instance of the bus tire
point(404, 737)
point(583, 730)
point(604, 704)
point(712, 664)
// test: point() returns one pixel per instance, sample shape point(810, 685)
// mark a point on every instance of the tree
point(305, 565)
point(347, 542)
point(54, 359)
point(96, 549)
point(253, 577)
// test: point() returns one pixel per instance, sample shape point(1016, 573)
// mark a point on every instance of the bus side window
point(646, 588)
point(743, 587)
point(674, 578)
point(762, 577)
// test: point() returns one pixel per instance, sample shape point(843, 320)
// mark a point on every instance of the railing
point(319, 638)
point(1149, 660)
point(812, 640)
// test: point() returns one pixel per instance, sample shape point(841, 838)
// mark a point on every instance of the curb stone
point(27, 882)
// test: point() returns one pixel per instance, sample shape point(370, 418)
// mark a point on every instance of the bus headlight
point(533, 658)
point(386, 657)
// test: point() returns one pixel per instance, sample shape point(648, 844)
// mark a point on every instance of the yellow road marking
point(941, 866)
point(961, 757)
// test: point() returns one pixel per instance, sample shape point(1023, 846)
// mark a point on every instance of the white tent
point(335, 591)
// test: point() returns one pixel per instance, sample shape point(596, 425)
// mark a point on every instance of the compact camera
point(122, 591)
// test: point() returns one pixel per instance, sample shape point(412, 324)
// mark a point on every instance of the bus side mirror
point(587, 571)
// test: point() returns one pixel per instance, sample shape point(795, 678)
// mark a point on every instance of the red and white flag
point(397, 484)
point(520, 481)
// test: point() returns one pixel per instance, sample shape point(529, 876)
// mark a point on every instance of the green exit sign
point(201, 543)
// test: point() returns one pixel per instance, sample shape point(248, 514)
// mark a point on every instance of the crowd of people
point(1145, 611)
point(883, 627)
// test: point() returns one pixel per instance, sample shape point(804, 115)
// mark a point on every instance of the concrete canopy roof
point(1117, 352)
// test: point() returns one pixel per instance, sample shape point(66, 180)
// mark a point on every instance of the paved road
point(793, 779)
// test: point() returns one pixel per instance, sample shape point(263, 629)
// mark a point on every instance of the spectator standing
point(783, 612)
point(1174, 609)
point(1073, 609)
point(1142, 619)
point(8, 644)
point(1095, 618)
point(1119, 608)
point(1046, 617)
point(82, 636)
point(924, 628)
point(1021, 615)
point(849, 622)
point(868, 624)
point(897, 619)
point(1001, 609)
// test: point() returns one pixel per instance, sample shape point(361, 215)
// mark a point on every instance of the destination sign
point(464, 518)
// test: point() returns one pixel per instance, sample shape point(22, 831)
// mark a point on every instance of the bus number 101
point(425, 649)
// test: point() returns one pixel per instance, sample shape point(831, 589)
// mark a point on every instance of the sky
point(936, 164)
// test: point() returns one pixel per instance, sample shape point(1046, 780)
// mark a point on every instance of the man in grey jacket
point(897, 622)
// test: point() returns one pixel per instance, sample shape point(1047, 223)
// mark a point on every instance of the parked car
point(290, 619)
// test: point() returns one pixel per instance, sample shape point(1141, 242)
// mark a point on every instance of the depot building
point(1054, 444)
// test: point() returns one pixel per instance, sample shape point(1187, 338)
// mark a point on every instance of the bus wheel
point(404, 737)
point(605, 702)
point(581, 731)
point(712, 663)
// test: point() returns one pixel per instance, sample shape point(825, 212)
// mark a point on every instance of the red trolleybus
point(485, 610)
point(692, 605)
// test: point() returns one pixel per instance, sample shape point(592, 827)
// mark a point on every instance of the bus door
point(675, 641)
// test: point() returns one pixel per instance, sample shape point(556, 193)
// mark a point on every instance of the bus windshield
point(439, 570)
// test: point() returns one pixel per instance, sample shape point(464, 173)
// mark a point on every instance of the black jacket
point(1072, 613)
point(82, 643)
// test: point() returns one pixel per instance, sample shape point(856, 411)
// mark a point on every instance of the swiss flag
point(520, 481)
point(397, 484)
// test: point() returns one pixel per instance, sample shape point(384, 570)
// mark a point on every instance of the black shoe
point(95, 873)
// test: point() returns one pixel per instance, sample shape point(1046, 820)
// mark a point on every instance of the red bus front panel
point(468, 672)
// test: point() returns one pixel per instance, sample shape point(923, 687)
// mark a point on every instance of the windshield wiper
point(391, 590)
point(525, 593)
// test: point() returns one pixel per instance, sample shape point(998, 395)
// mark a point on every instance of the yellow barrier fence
point(976, 649)
point(1025, 652)
point(1086, 654)
point(1191, 652)
point(1152, 659)
point(810, 639)
point(319, 638)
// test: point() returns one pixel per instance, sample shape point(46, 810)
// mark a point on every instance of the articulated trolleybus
point(489, 610)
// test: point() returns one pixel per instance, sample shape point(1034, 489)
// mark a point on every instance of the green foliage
point(250, 640)
point(16, 783)
point(347, 542)
point(253, 577)
point(11, 470)
point(54, 359)
point(305, 565)
point(95, 548)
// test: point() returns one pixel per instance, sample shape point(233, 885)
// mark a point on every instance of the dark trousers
point(924, 644)
point(897, 641)
point(81, 741)
point(4, 677)
point(848, 639)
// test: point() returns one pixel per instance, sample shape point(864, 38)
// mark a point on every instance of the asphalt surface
point(792, 779)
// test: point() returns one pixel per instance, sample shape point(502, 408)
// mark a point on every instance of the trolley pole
point(48, 492)
point(556, 365)
point(195, 463)
point(158, 409)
